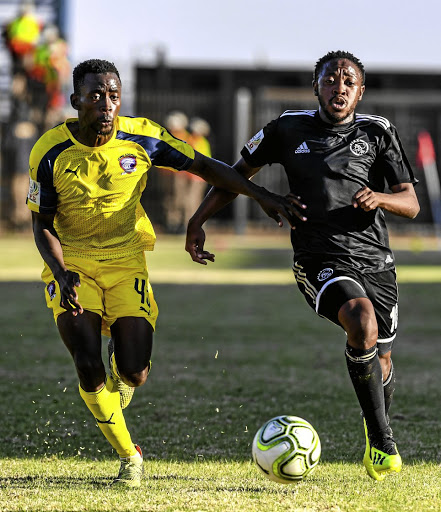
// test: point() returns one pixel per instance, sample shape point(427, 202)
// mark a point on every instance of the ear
point(74, 101)
point(362, 88)
point(315, 87)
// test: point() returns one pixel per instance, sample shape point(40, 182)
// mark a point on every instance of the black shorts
point(327, 287)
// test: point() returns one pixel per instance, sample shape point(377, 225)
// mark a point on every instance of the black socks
point(366, 375)
point(389, 388)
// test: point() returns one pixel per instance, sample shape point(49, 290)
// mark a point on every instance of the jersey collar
point(335, 128)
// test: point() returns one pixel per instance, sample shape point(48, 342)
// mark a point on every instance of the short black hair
point(97, 66)
point(339, 54)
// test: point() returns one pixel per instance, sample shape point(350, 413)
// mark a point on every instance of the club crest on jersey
point(34, 191)
point(253, 143)
point(359, 147)
point(127, 163)
point(51, 290)
point(324, 274)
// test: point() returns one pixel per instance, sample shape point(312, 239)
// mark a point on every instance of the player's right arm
point(49, 246)
point(42, 200)
point(215, 200)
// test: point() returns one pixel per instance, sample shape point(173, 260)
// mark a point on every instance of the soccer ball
point(286, 449)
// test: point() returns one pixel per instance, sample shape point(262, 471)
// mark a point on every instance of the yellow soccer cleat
point(125, 391)
point(131, 471)
point(380, 462)
point(367, 460)
point(386, 462)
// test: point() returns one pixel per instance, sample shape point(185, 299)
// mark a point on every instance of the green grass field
point(235, 345)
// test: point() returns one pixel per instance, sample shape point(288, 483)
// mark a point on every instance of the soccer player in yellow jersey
point(86, 180)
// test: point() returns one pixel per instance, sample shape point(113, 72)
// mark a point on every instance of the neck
point(335, 122)
point(88, 137)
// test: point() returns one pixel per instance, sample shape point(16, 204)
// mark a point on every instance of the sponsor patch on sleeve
point(34, 193)
point(254, 142)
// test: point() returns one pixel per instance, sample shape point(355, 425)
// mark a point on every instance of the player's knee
point(135, 379)
point(90, 371)
point(357, 317)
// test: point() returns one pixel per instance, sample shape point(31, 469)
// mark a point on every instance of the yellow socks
point(106, 409)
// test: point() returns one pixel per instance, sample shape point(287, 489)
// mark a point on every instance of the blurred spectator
point(51, 66)
point(40, 72)
point(177, 123)
point(183, 191)
point(200, 130)
point(19, 137)
point(21, 35)
point(174, 185)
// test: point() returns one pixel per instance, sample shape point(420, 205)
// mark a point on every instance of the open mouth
point(338, 103)
point(105, 120)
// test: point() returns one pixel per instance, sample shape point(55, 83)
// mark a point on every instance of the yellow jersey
point(95, 192)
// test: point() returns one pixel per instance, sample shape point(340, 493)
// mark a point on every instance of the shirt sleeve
point(161, 147)
point(42, 196)
point(172, 153)
point(263, 147)
point(169, 152)
point(393, 160)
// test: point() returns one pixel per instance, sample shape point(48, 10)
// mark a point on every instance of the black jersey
point(326, 165)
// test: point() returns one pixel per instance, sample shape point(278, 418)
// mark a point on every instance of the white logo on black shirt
point(324, 274)
point(359, 147)
point(303, 148)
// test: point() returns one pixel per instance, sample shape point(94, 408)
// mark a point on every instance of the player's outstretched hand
point(68, 281)
point(366, 199)
point(194, 244)
point(289, 207)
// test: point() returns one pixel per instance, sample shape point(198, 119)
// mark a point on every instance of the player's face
point(98, 105)
point(339, 88)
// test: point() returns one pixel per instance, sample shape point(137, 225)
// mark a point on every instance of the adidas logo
point(378, 459)
point(303, 148)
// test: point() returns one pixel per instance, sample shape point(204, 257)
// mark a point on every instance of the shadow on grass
point(64, 482)
point(83, 483)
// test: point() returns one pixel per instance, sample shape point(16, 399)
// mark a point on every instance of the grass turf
point(227, 357)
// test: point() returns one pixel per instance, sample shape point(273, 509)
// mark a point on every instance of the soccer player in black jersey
point(86, 180)
point(338, 164)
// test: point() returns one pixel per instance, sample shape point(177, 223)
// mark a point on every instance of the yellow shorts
point(111, 288)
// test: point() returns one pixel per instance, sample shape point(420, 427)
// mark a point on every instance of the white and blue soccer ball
point(286, 449)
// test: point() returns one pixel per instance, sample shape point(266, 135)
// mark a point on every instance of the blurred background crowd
point(39, 77)
point(215, 108)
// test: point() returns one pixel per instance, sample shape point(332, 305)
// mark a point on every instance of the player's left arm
point(402, 201)
point(392, 163)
